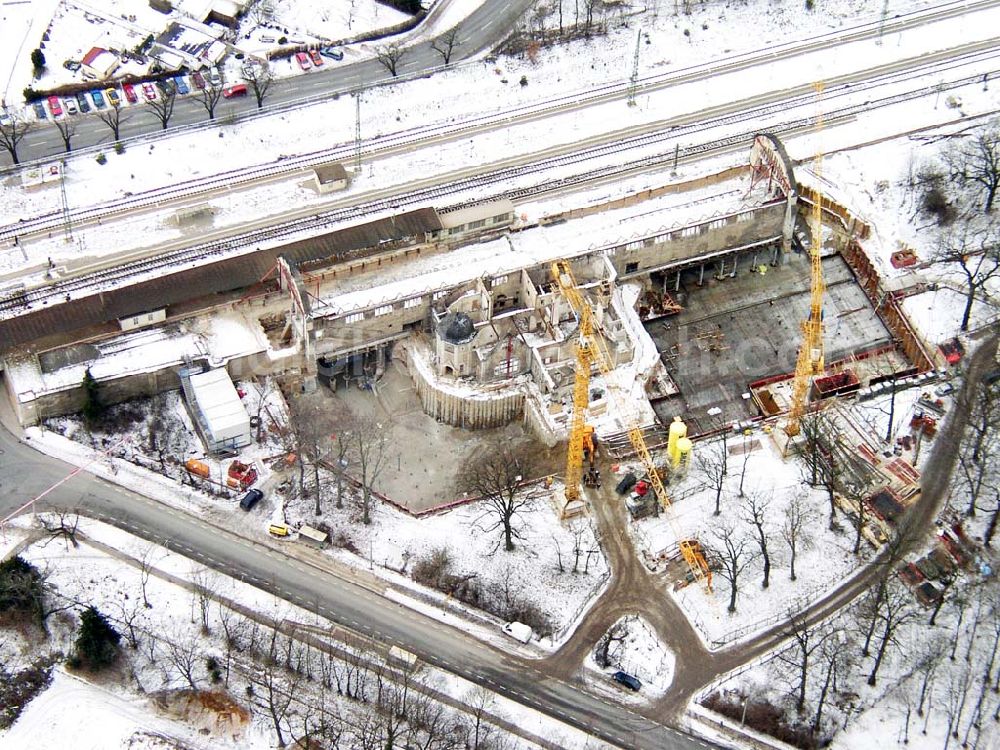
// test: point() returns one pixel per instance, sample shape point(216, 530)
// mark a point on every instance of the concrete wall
point(472, 410)
point(687, 244)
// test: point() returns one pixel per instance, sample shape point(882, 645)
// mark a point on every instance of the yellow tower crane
point(590, 349)
point(809, 362)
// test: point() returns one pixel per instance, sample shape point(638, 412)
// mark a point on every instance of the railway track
point(25, 299)
point(382, 146)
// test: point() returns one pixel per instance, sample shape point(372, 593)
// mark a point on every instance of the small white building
point(99, 63)
point(217, 409)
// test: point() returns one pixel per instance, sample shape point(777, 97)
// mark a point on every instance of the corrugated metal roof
point(223, 275)
point(220, 404)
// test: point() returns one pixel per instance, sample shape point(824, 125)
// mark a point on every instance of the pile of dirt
point(212, 711)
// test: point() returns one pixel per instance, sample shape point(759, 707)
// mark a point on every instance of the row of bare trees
point(259, 80)
point(333, 439)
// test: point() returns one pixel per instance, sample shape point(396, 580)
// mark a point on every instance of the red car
point(55, 106)
point(149, 91)
point(129, 90)
point(198, 79)
point(303, 60)
point(315, 57)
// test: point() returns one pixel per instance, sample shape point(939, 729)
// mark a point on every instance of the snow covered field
point(137, 706)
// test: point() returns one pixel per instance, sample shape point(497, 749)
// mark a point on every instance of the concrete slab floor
point(425, 457)
point(737, 330)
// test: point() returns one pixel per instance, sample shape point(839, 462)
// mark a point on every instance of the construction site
point(751, 319)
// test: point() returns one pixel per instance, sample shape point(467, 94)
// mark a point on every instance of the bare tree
point(260, 78)
point(805, 641)
point(163, 105)
point(368, 443)
point(835, 659)
point(129, 612)
point(279, 685)
point(390, 56)
point(184, 655)
point(897, 608)
point(145, 568)
point(203, 584)
point(313, 429)
point(114, 117)
point(67, 129)
point(61, 524)
point(445, 44)
point(613, 638)
point(975, 253)
point(209, 98)
point(755, 514)
point(496, 477)
point(712, 467)
point(975, 159)
point(729, 556)
point(795, 529)
point(12, 132)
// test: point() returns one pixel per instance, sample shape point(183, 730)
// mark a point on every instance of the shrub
point(524, 80)
point(21, 591)
point(96, 642)
point(92, 408)
point(119, 147)
point(37, 59)
point(101, 158)
point(936, 203)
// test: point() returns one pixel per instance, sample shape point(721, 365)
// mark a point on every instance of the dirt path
point(633, 590)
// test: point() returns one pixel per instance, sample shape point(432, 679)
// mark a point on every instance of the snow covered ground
point(128, 703)
point(635, 649)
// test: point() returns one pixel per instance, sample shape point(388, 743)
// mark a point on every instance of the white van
point(518, 631)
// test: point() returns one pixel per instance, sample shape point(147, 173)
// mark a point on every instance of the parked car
point(240, 89)
point(72, 65)
point(944, 389)
point(98, 98)
point(69, 104)
point(40, 112)
point(198, 80)
point(149, 91)
point(181, 84)
point(214, 78)
point(316, 58)
point(250, 499)
point(113, 99)
point(130, 94)
point(303, 60)
point(333, 53)
point(81, 99)
point(55, 106)
point(624, 678)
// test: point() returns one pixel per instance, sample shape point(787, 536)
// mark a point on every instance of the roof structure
point(223, 414)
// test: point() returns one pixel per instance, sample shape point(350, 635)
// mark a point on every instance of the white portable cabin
point(222, 419)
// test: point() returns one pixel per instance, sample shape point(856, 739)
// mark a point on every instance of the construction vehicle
point(590, 350)
point(809, 361)
point(592, 476)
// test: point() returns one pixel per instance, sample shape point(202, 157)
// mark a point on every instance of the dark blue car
point(624, 678)
point(98, 98)
point(40, 112)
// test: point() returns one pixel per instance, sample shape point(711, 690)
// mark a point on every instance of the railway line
point(21, 300)
point(389, 144)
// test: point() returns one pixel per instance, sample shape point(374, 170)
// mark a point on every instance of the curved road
point(24, 473)
point(485, 27)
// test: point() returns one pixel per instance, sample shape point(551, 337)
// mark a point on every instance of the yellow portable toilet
point(678, 430)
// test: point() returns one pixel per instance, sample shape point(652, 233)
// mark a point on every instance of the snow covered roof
point(219, 403)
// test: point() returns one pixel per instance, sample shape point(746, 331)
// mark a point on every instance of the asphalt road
point(484, 28)
point(24, 474)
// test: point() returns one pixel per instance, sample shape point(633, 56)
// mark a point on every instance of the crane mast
point(590, 349)
point(810, 359)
